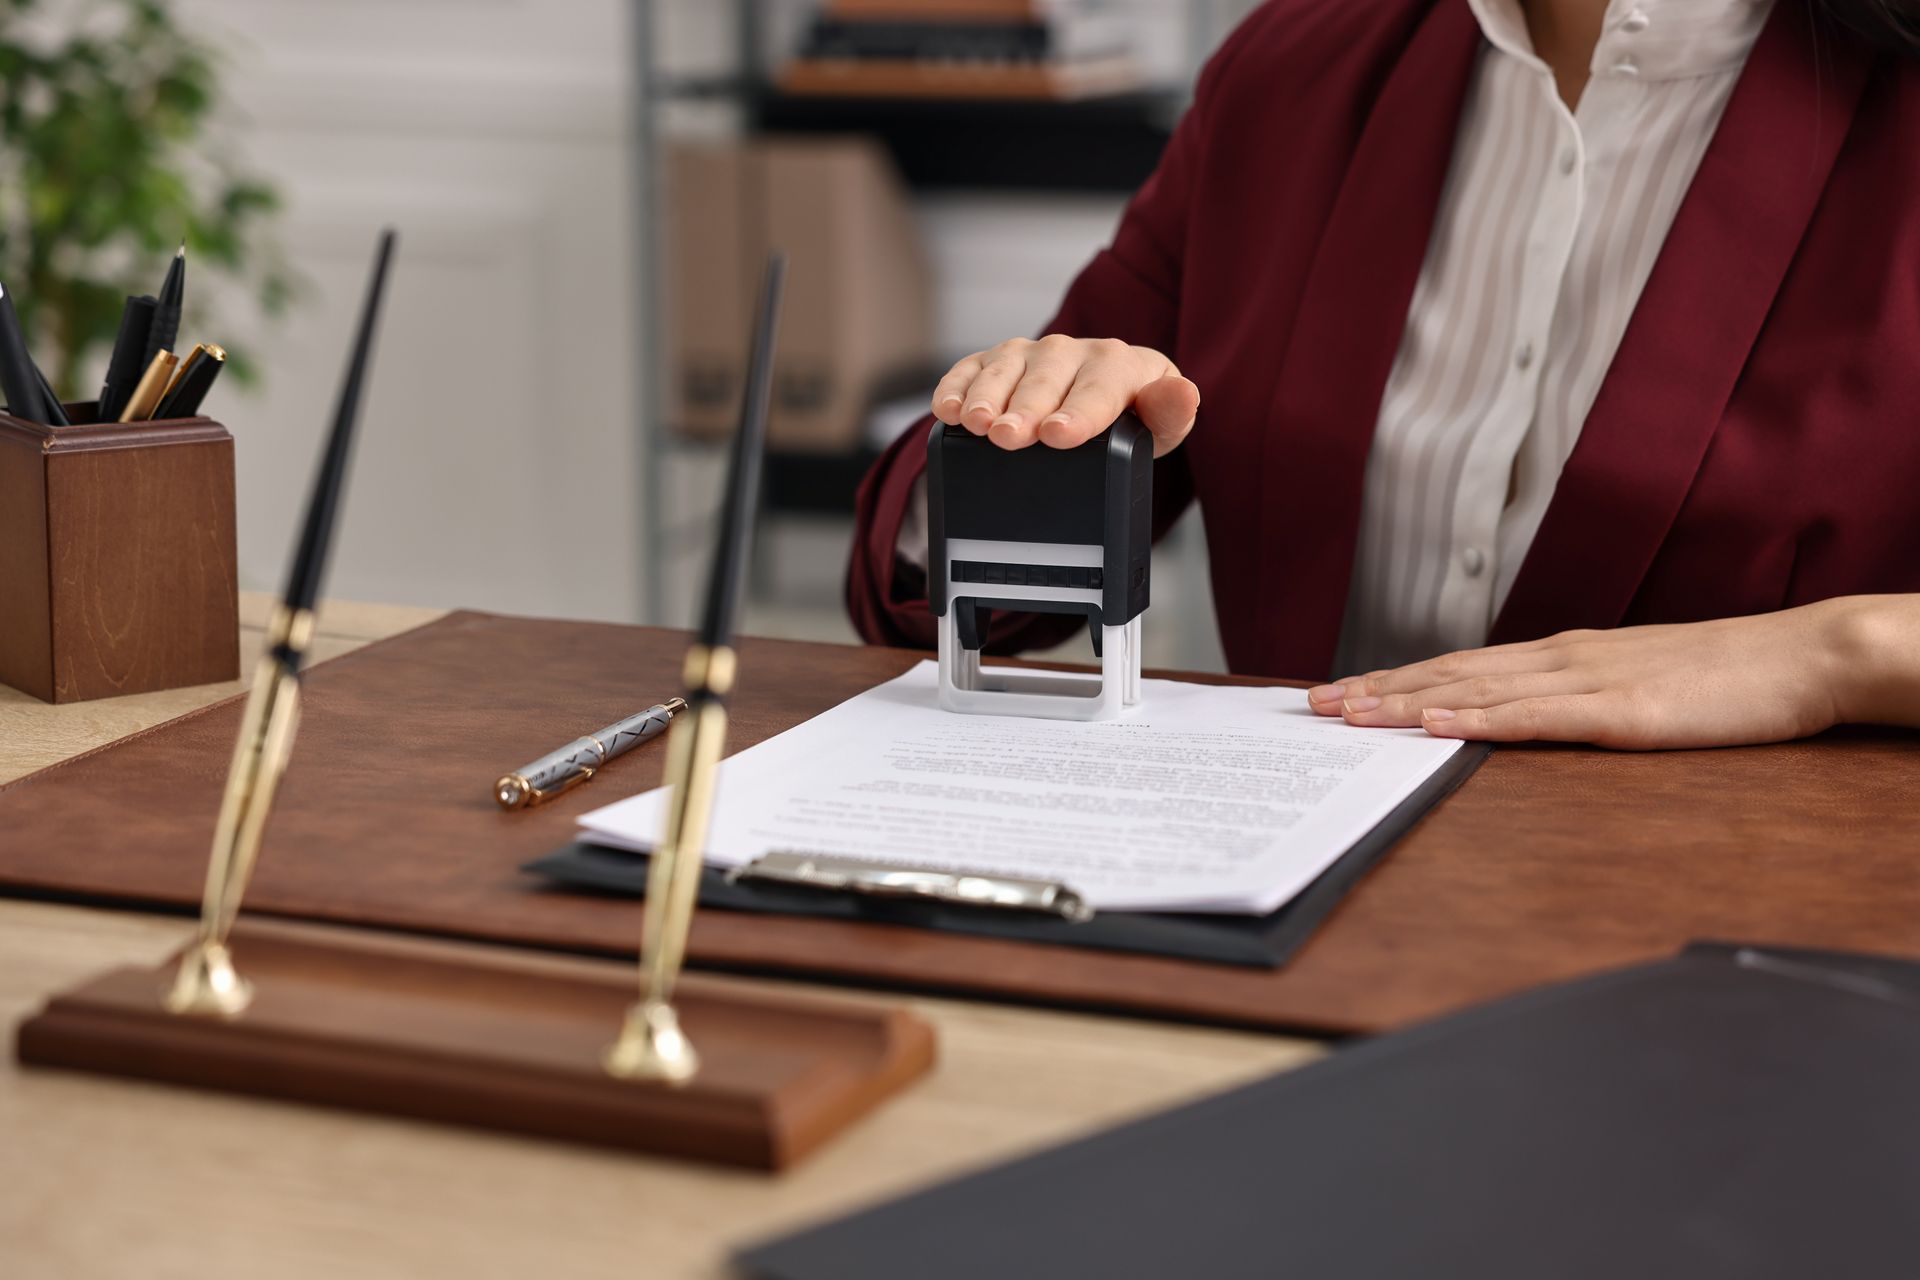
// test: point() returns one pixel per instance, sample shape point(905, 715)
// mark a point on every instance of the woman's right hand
point(1063, 391)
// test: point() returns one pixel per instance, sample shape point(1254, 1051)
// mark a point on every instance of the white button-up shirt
point(1547, 230)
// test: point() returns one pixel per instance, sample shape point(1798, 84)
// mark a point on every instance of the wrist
point(1863, 641)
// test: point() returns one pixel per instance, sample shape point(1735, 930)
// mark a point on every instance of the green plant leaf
point(108, 133)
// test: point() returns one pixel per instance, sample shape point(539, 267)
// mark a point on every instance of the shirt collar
point(1645, 39)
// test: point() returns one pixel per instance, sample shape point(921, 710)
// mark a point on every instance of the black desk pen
point(166, 313)
point(207, 982)
point(651, 1045)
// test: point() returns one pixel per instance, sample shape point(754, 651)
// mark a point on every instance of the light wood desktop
point(101, 1178)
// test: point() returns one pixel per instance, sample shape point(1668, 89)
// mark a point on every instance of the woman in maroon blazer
point(1513, 318)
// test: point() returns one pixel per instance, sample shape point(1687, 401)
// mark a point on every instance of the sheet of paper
point(1202, 798)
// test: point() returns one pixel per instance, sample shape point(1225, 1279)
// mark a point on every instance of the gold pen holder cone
point(652, 1046)
point(207, 984)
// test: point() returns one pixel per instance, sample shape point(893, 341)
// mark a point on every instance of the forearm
point(1873, 648)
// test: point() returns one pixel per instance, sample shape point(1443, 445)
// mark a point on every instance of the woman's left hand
point(1760, 679)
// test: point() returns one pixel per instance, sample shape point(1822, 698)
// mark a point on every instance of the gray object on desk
point(573, 764)
point(1734, 1113)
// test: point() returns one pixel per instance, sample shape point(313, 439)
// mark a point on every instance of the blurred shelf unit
point(1105, 144)
point(994, 109)
point(1025, 95)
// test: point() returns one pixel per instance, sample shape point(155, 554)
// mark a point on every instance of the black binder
point(1733, 1112)
point(1257, 941)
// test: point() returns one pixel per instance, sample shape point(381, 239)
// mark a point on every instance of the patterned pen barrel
point(580, 759)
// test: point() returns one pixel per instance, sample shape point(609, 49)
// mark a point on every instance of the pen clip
point(894, 880)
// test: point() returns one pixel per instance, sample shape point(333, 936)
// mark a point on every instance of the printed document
point(1201, 798)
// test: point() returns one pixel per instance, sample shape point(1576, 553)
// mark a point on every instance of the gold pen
point(153, 384)
point(573, 764)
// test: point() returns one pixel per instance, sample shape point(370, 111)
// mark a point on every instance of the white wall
point(496, 464)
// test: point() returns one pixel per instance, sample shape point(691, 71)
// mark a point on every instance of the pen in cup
point(191, 381)
point(573, 764)
point(20, 380)
point(153, 383)
point(166, 314)
point(129, 360)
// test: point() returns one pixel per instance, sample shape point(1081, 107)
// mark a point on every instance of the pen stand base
point(493, 1039)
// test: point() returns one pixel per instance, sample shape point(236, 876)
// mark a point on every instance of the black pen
point(166, 314)
point(191, 384)
point(56, 412)
point(742, 495)
point(19, 379)
point(129, 359)
point(651, 1044)
point(206, 982)
point(309, 560)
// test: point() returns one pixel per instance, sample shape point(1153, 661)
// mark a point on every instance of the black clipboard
point(1254, 941)
point(1732, 1112)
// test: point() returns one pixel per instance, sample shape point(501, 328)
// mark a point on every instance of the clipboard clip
point(892, 880)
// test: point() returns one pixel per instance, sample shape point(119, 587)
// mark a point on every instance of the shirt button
point(1568, 159)
point(1523, 358)
point(1626, 67)
point(1474, 561)
point(1636, 22)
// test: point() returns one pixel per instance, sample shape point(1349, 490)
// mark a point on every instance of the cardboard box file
point(714, 248)
point(858, 297)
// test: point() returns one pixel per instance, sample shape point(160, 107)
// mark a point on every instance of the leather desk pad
point(1548, 864)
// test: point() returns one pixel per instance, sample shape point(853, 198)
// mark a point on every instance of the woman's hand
point(1705, 684)
point(1063, 391)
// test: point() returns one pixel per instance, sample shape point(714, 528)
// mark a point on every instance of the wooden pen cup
point(117, 559)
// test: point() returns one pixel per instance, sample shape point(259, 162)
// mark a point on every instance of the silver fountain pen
point(573, 764)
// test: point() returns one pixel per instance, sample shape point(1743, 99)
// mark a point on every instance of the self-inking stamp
point(1040, 530)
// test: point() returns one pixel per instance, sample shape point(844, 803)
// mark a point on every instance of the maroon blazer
point(1756, 443)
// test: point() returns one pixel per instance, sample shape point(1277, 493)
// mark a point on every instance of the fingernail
point(1056, 419)
point(978, 405)
point(1010, 436)
point(1014, 420)
point(1436, 713)
point(1355, 706)
point(1326, 692)
point(951, 402)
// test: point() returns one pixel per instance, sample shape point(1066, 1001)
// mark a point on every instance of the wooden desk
point(100, 1178)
